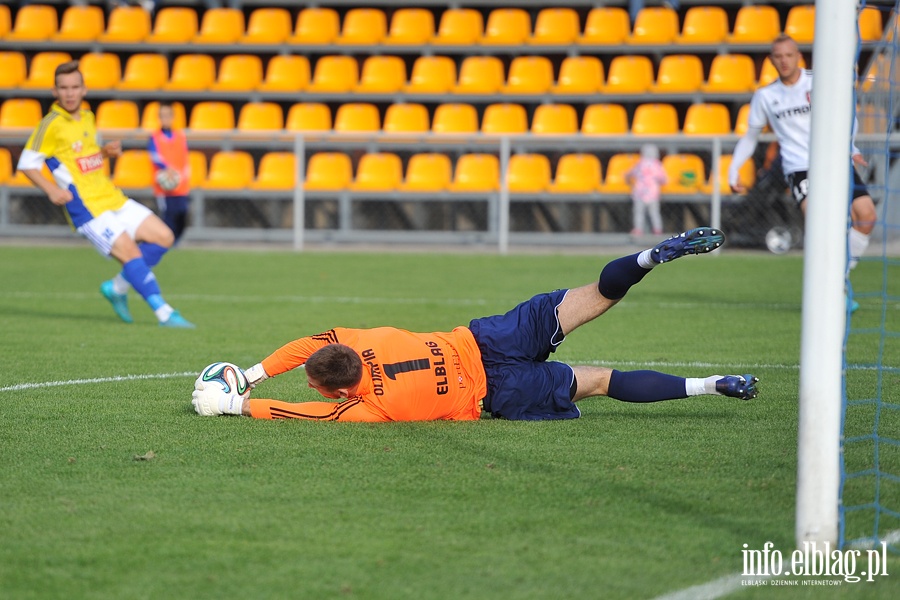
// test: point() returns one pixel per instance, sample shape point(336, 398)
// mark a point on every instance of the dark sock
point(153, 253)
point(619, 275)
point(645, 386)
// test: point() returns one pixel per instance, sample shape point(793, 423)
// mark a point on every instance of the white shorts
point(103, 230)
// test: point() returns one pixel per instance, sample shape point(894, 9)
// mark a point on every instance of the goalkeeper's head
point(334, 371)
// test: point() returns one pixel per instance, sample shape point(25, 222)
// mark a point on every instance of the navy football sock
point(619, 275)
point(645, 386)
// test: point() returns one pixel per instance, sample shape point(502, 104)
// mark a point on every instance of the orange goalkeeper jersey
point(407, 376)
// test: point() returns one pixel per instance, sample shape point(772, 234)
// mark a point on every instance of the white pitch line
point(717, 588)
point(49, 384)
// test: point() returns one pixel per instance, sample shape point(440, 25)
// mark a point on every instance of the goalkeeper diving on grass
point(497, 364)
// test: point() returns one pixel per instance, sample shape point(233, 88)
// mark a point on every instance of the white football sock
point(699, 386)
point(858, 242)
point(644, 259)
point(164, 312)
point(120, 285)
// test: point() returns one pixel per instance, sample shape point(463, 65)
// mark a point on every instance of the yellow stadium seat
point(101, 70)
point(378, 171)
point(654, 25)
point(174, 25)
point(408, 118)
point(260, 116)
point(504, 118)
point(19, 180)
point(277, 171)
point(133, 169)
point(231, 170)
point(382, 75)
point(192, 72)
point(127, 24)
point(428, 172)
point(357, 116)
point(363, 27)
point(704, 25)
point(5, 166)
point(528, 173)
point(871, 27)
point(411, 26)
point(316, 25)
point(117, 114)
point(328, 171)
point(529, 75)
point(606, 25)
point(741, 123)
point(267, 26)
point(577, 174)
point(20, 113)
point(616, 170)
point(12, 69)
point(629, 75)
point(459, 27)
point(731, 73)
point(554, 119)
point(43, 69)
point(197, 162)
point(238, 73)
point(455, 118)
point(746, 176)
point(145, 72)
point(707, 119)
point(476, 173)
point(685, 173)
point(555, 26)
point(604, 119)
point(308, 116)
point(654, 119)
point(480, 75)
point(679, 74)
point(150, 116)
point(800, 23)
point(507, 26)
point(220, 26)
point(579, 75)
point(432, 75)
point(334, 73)
point(5, 20)
point(80, 24)
point(755, 24)
point(212, 116)
point(768, 74)
point(34, 23)
point(286, 73)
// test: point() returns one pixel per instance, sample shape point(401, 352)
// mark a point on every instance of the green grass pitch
point(630, 501)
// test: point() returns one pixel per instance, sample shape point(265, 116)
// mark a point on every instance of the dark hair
point(335, 366)
point(66, 68)
point(166, 104)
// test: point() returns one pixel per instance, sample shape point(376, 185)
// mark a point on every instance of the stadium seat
point(616, 169)
point(411, 26)
point(133, 169)
point(335, 74)
point(606, 25)
point(655, 25)
point(43, 68)
point(731, 73)
point(459, 27)
point(34, 23)
point(800, 23)
point(382, 75)
point(679, 74)
point(308, 116)
point(704, 25)
point(476, 173)
point(507, 26)
point(554, 119)
point(17, 113)
point(238, 73)
point(101, 70)
point(220, 26)
point(528, 173)
point(80, 24)
point(212, 116)
point(174, 25)
point(192, 72)
point(145, 72)
point(741, 123)
point(5, 166)
point(629, 75)
point(286, 73)
point(150, 116)
point(12, 69)
point(378, 171)
point(480, 75)
point(604, 119)
point(428, 172)
point(871, 27)
point(328, 171)
point(432, 75)
point(277, 171)
point(117, 114)
point(746, 175)
point(229, 170)
point(504, 118)
point(529, 75)
point(576, 174)
point(316, 25)
point(455, 118)
point(19, 180)
point(267, 26)
point(363, 27)
point(357, 116)
point(768, 74)
point(260, 116)
point(5, 20)
point(654, 119)
point(406, 118)
point(198, 164)
point(555, 26)
point(685, 173)
point(127, 24)
point(579, 75)
point(707, 119)
point(755, 24)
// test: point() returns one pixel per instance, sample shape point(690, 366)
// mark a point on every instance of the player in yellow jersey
point(117, 226)
point(497, 364)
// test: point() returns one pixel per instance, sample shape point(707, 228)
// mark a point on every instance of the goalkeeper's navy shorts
point(521, 383)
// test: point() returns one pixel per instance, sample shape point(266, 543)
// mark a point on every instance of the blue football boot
point(738, 386)
point(177, 321)
point(695, 241)
point(119, 301)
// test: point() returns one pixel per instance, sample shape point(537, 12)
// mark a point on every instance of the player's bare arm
point(56, 194)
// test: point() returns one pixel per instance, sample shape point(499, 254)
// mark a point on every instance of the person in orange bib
point(168, 150)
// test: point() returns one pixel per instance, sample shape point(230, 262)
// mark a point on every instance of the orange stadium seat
point(504, 118)
point(629, 75)
point(150, 116)
point(704, 25)
point(768, 74)
point(357, 116)
point(363, 27)
point(5, 166)
point(117, 114)
point(316, 25)
point(174, 25)
point(239, 73)
point(409, 118)
point(229, 170)
point(308, 116)
point(654, 25)
point(192, 72)
point(382, 75)
point(127, 24)
point(507, 26)
point(576, 174)
point(529, 75)
point(378, 171)
point(20, 113)
point(198, 163)
point(145, 72)
point(654, 119)
point(707, 119)
point(267, 26)
point(19, 179)
point(286, 73)
point(679, 74)
point(606, 25)
point(741, 123)
point(133, 169)
point(455, 118)
point(5, 20)
point(12, 69)
point(800, 23)
point(871, 27)
point(755, 24)
point(101, 70)
point(261, 116)
point(555, 26)
point(80, 24)
point(428, 172)
point(334, 73)
point(34, 23)
point(43, 68)
point(220, 26)
point(432, 75)
point(411, 26)
point(616, 170)
point(277, 171)
point(604, 119)
point(476, 173)
point(480, 75)
point(554, 119)
point(459, 27)
point(685, 173)
point(746, 175)
point(528, 173)
point(579, 75)
point(731, 73)
point(328, 171)
point(212, 116)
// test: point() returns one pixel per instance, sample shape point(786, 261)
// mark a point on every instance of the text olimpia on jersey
point(786, 109)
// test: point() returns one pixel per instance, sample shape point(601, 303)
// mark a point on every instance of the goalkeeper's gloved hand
point(255, 374)
point(210, 401)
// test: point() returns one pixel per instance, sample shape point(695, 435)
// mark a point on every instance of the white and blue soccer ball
point(226, 376)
